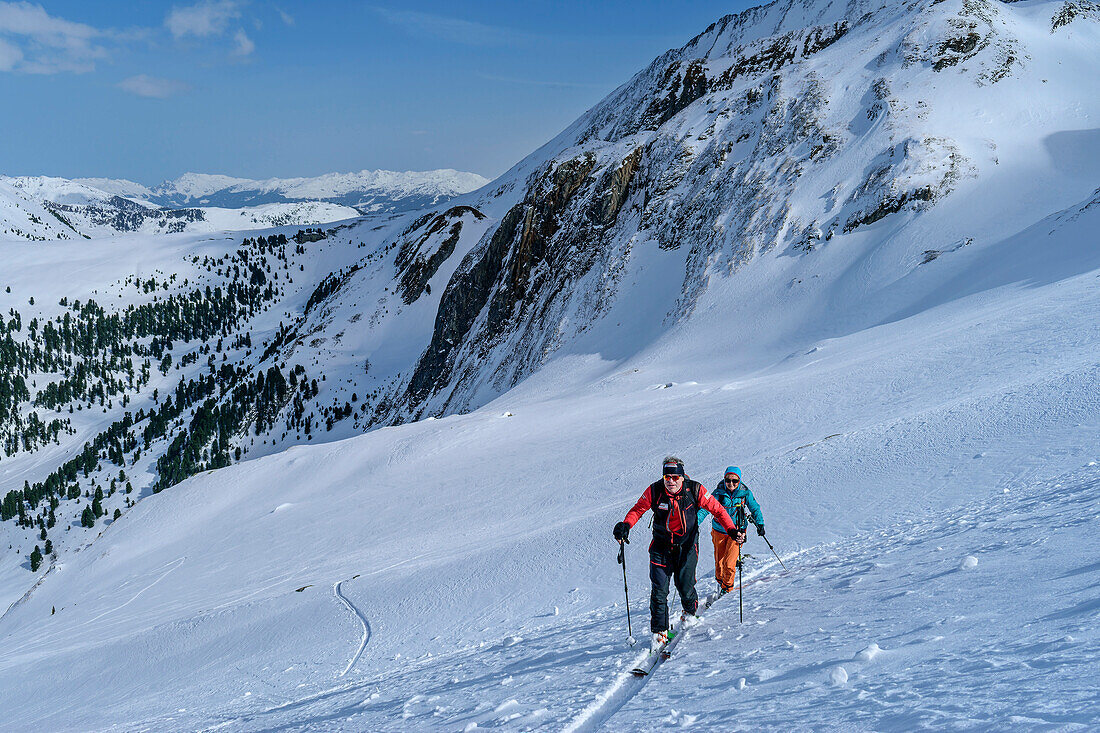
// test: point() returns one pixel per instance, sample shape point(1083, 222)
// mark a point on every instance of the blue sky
point(149, 90)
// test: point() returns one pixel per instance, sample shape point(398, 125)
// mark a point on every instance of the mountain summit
point(811, 132)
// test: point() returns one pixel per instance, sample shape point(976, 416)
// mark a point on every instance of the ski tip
point(639, 673)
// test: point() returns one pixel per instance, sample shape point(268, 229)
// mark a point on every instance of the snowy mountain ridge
point(369, 190)
point(786, 130)
point(50, 209)
point(46, 208)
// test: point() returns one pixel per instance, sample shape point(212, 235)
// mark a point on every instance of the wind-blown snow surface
point(475, 550)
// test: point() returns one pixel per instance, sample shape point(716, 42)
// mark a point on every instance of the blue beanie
point(733, 469)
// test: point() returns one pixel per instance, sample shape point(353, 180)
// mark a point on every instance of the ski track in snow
point(926, 640)
point(787, 667)
point(336, 591)
point(163, 575)
point(626, 686)
point(31, 640)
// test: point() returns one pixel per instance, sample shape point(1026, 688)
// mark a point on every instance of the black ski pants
point(671, 563)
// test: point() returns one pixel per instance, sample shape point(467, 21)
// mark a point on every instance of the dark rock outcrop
point(890, 204)
point(415, 265)
point(124, 215)
point(540, 244)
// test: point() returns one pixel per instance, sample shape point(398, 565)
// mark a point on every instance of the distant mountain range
point(368, 191)
point(48, 208)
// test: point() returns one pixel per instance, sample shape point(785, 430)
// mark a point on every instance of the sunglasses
point(733, 481)
point(673, 476)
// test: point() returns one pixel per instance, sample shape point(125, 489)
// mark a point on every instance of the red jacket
point(678, 524)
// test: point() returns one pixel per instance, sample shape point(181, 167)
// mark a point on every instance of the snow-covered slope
point(803, 138)
point(428, 575)
point(849, 247)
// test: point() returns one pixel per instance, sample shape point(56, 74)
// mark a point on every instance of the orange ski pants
point(726, 552)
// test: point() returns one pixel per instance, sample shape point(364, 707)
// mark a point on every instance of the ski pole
point(774, 552)
point(769, 544)
point(742, 515)
point(626, 590)
point(740, 594)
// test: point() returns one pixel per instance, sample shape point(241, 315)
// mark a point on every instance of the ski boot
point(688, 620)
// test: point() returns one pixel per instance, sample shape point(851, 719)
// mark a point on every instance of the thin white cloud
point(26, 19)
point(287, 17)
point(10, 56)
point(208, 18)
point(245, 46)
point(452, 29)
point(151, 86)
point(36, 42)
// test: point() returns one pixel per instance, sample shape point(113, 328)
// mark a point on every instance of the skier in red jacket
point(674, 551)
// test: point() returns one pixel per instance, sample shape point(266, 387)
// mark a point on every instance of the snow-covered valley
point(363, 476)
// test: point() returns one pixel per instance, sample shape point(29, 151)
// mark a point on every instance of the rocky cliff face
point(542, 247)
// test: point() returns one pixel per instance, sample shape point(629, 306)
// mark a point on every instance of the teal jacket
point(730, 500)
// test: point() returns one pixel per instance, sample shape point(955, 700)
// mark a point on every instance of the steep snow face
point(804, 137)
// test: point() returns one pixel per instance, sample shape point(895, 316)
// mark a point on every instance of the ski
point(663, 652)
point(656, 655)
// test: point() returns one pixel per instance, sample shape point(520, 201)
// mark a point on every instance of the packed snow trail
point(980, 616)
point(161, 577)
point(338, 592)
point(627, 685)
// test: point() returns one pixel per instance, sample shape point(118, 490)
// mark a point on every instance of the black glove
point(622, 532)
point(760, 529)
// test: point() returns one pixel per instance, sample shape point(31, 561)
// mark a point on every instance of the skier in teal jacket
point(731, 493)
